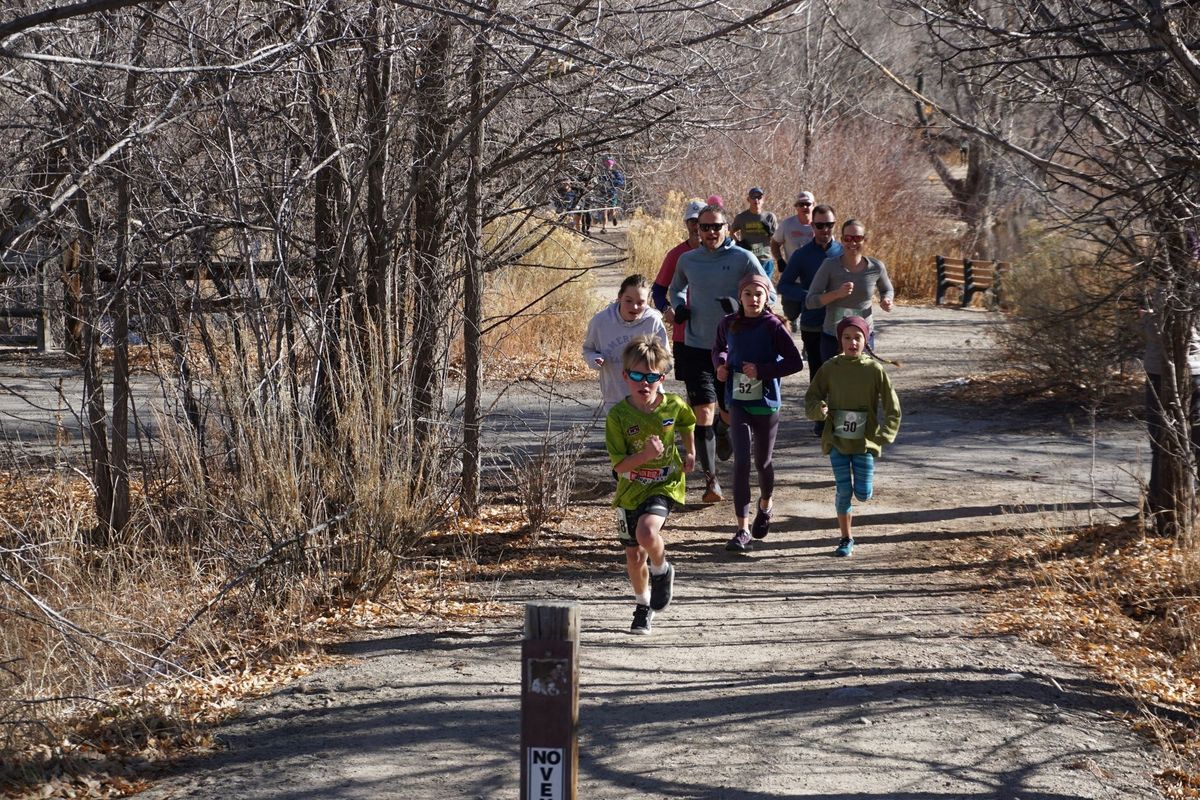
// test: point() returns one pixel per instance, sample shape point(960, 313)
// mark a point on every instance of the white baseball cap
point(693, 208)
point(805, 197)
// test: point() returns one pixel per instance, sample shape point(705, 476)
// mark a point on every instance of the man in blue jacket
point(798, 276)
point(703, 278)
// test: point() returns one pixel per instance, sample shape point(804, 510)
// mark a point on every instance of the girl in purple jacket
point(753, 350)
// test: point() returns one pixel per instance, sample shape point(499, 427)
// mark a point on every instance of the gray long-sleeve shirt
point(708, 275)
point(833, 274)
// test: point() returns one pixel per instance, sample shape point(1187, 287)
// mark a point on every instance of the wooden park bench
point(971, 277)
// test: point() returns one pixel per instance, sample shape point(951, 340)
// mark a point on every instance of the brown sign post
point(549, 702)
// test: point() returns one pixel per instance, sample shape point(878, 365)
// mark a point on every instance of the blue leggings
point(855, 475)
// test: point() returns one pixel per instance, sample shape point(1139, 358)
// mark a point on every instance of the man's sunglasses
point(823, 225)
point(648, 377)
point(853, 239)
point(803, 205)
point(711, 226)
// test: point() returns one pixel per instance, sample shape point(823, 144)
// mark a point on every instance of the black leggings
point(762, 428)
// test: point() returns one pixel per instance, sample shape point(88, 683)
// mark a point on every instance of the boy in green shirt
point(640, 435)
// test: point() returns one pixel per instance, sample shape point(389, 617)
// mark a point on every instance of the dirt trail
point(784, 674)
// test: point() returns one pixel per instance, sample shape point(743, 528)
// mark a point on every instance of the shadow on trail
point(694, 710)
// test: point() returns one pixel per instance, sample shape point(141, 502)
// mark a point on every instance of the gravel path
point(784, 674)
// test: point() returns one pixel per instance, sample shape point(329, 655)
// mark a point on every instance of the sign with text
point(549, 711)
point(546, 773)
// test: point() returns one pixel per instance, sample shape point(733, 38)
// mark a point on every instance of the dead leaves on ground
point(1125, 603)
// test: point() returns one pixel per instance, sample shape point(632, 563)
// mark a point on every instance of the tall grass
point(539, 304)
point(652, 234)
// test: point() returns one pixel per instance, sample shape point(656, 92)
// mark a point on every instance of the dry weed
point(651, 235)
point(538, 306)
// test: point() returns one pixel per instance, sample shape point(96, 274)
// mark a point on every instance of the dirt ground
point(787, 673)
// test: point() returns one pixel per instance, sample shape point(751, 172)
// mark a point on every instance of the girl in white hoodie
point(632, 315)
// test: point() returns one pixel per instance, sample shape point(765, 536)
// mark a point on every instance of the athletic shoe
point(844, 548)
point(712, 491)
point(660, 588)
point(641, 619)
point(740, 543)
point(762, 523)
point(724, 445)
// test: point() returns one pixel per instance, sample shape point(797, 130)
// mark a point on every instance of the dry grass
point(538, 307)
point(651, 235)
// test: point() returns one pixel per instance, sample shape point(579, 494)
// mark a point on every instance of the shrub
point(1074, 318)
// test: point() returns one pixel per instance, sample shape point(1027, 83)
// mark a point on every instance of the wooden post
point(969, 288)
point(51, 328)
point(940, 261)
point(550, 702)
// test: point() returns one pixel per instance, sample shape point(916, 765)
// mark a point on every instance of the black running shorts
point(655, 504)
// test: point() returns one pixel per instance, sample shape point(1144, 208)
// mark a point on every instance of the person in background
point(795, 281)
point(847, 393)
point(612, 181)
point(845, 286)
point(703, 278)
point(613, 328)
point(753, 229)
point(666, 271)
point(640, 434)
point(793, 233)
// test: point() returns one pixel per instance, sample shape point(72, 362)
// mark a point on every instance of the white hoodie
point(607, 335)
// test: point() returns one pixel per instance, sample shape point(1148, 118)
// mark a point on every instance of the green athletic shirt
point(625, 433)
point(855, 384)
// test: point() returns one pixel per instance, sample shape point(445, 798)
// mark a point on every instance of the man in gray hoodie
point(703, 278)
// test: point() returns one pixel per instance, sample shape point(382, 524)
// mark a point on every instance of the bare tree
point(1121, 82)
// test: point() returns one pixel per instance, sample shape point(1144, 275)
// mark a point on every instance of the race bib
point(746, 388)
point(622, 524)
point(841, 312)
point(849, 424)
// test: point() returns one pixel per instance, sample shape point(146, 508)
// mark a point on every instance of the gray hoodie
point(702, 277)
point(607, 335)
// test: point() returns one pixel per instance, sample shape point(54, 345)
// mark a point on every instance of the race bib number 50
point(850, 424)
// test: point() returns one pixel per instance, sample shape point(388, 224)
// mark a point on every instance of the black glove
point(729, 305)
point(682, 313)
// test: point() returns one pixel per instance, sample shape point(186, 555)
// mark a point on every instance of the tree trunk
point(429, 235)
point(473, 288)
point(93, 382)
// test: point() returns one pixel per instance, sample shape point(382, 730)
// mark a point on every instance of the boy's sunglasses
point(648, 377)
point(823, 225)
point(711, 226)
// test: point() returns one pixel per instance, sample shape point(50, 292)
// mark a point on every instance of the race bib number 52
point(746, 388)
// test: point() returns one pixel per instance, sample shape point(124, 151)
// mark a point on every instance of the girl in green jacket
point(847, 392)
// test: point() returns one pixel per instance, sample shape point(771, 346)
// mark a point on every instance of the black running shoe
point(660, 588)
point(740, 543)
point(641, 619)
point(762, 523)
point(724, 445)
